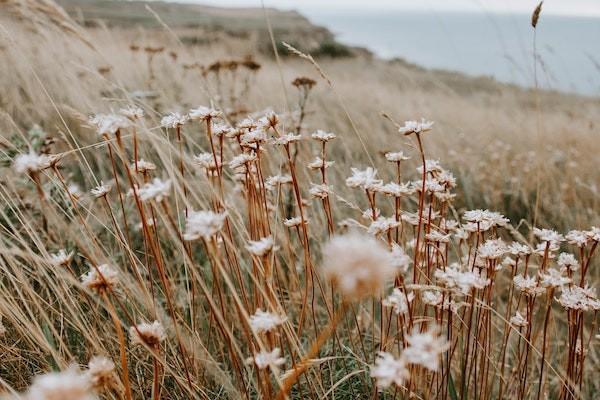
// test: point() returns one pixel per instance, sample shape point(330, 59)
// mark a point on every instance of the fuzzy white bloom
point(437, 237)
point(147, 334)
point(548, 235)
point(425, 348)
point(61, 258)
point(518, 320)
point(100, 278)
point(109, 124)
point(266, 359)
point(398, 301)
point(432, 167)
point(396, 156)
point(399, 258)
point(357, 264)
point(263, 321)
point(101, 190)
point(253, 137)
point(578, 298)
point(528, 285)
point(173, 120)
point(318, 163)
point(365, 179)
point(132, 113)
point(275, 181)
point(577, 238)
point(101, 372)
point(320, 191)
point(389, 370)
point(261, 247)
point(70, 384)
point(415, 127)
point(382, 225)
point(143, 166)
point(323, 136)
point(207, 161)
point(241, 160)
point(553, 278)
point(594, 234)
point(203, 224)
point(567, 261)
point(465, 281)
point(492, 249)
point(31, 162)
point(293, 222)
point(397, 190)
point(287, 139)
point(518, 249)
point(432, 297)
point(484, 220)
point(155, 190)
point(204, 113)
point(221, 130)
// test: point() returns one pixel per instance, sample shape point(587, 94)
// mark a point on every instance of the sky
point(558, 7)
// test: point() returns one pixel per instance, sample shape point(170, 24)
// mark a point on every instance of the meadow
point(190, 213)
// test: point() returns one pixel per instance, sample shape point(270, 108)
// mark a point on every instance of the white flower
point(399, 301)
point(221, 130)
point(173, 120)
point(101, 191)
point(594, 234)
point(321, 191)
point(365, 179)
point(266, 359)
point(287, 139)
point(147, 334)
point(203, 224)
point(323, 136)
point(431, 167)
point(388, 370)
point(396, 156)
point(109, 124)
point(31, 162)
point(518, 320)
point(437, 237)
point(253, 137)
point(399, 258)
point(528, 285)
point(207, 161)
point(204, 113)
point(577, 238)
point(241, 160)
point(453, 277)
point(548, 235)
point(132, 113)
point(100, 278)
point(357, 264)
point(263, 321)
point(275, 181)
point(415, 127)
point(157, 190)
point(567, 261)
point(397, 190)
point(578, 298)
point(432, 297)
point(553, 278)
point(143, 166)
point(425, 348)
point(382, 225)
point(293, 222)
point(70, 384)
point(518, 249)
point(318, 163)
point(61, 258)
point(101, 372)
point(261, 247)
point(492, 249)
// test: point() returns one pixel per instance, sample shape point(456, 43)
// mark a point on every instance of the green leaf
point(451, 388)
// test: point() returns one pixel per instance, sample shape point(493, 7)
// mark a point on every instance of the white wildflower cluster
point(267, 359)
point(261, 247)
point(465, 281)
point(100, 278)
point(528, 285)
point(174, 120)
point(109, 124)
point(424, 349)
point(365, 179)
point(148, 334)
point(32, 162)
point(156, 190)
point(416, 127)
point(203, 224)
point(578, 298)
point(263, 321)
point(398, 301)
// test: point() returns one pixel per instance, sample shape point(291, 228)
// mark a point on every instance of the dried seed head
point(70, 384)
point(101, 373)
point(100, 278)
point(147, 334)
point(536, 15)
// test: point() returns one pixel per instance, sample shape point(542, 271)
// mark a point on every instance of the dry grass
point(204, 291)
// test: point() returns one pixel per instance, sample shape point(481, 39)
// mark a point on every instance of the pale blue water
point(498, 45)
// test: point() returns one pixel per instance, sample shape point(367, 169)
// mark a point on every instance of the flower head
point(415, 127)
point(203, 224)
point(261, 247)
point(357, 264)
point(389, 370)
point(518, 320)
point(100, 278)
point(323, 136)
point(267, 359)
point(101, 372)
point(396, 156)
point(101, 190)
point(147, 334)
point(425, 348)
point(109, 124)
point(173, 120)
point(263, 321)
point(204, 113)
point(61, 258)
point(155, 190)
point(365, 179)
point(31, 162)
point(398, 301)
point(132, 113)
point(70, 384)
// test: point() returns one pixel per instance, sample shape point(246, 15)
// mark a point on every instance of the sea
point(502, 46)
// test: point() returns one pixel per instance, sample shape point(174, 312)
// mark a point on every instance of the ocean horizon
point(479, 44)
